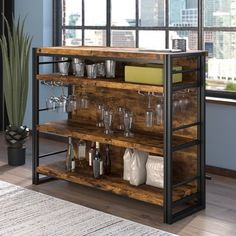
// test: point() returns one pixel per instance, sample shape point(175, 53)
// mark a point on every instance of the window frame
point(200, 29)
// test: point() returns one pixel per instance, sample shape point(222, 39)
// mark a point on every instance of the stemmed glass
point(52, 101)
point(159, 111)
point(128, 121)
point(149, 113)
point(108, 116)
point(71, 104)
point(100, 115)
point(62, 102)
point(120, 111)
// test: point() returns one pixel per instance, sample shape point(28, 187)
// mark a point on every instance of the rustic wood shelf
point(180, 140)
point(141, 142)
point(113, 183)
point(105, 83)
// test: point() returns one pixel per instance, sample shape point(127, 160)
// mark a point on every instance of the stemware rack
point(182, 145)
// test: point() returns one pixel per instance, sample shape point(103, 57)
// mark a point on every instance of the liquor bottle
point(107, 161)
point(70, 156)
point(82, 153)
point(97, 163)
point(92, 152)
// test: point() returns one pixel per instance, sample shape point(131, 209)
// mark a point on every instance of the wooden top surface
point(111, 52)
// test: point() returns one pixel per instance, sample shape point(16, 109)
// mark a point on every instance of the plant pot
point(16, 156)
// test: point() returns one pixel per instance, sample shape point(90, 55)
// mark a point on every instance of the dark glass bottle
point(97, 163)
point(107, 161)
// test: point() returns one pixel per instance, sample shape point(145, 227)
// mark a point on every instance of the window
point(153, 24)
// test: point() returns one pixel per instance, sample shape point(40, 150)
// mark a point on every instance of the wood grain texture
point(116, 83)
point(110, 52)
point(113, 184)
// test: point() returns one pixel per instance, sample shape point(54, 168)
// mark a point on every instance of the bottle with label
point(107, 161)
point(92, 152)
point(97, 163)
point(70, 156)
point(82, 153)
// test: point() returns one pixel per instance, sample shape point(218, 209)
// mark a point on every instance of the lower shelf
point(113, 183)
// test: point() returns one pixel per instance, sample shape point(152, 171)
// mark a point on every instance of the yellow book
point(149, 74)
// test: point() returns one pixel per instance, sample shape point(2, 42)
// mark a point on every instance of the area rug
point(26, 212)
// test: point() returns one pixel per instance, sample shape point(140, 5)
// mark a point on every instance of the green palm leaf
point(15, 47)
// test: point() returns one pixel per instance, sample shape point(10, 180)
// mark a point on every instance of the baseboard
point(221, 171)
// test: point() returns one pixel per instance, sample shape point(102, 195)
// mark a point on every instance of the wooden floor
point(219, 218)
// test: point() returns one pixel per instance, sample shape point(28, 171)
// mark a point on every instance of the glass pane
point(152, 39)
point(123, 13)
point(71, 37)
point(72, 12)
point(220, 13)
point(183, 13)
point(123, 38)
point(221, 74)
point(95, 12)
point(152, 13)
point(190, 37)
point(95, 38)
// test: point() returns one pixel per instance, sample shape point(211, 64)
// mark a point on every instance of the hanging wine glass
point(159, 110)
point(128, 121)
point(108, 116)
point(71, 104)
point(100, 115)
point(52, 101)
point(149, 113)
point(62, 103)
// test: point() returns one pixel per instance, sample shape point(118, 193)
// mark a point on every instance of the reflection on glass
point(221, 69)
point(72, 37)
point(183, 13)
point(151, 39)
point(95, 12)
point(190, 37)
point(72, 15)
point(123, 38)
point(152, 13)
point(219, 15)
point(123, 13)
point(95, 38)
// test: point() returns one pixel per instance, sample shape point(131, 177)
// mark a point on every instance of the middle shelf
point(142, 142)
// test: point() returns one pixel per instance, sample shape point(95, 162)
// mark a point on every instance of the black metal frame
point(200, 29)
point(169, 148)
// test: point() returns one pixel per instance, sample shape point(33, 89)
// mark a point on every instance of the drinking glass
point(149, 113)
point(120, 112)
point(128, 120)
point(108, 116)
point(64, 66)
point(110, 66)
point(78, 67)
point(101, 69)
point(100, 115)
point(91, 71)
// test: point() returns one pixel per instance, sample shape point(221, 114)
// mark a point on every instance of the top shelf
point(118, 53)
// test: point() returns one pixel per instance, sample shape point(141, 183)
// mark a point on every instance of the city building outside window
point(152, 24)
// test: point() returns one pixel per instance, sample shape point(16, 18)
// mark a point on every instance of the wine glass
point(149, 113)
point(108, 116)
point(128, 121)
point(100, 115)
point(120, 111)
point(71, 104)
point(159, 111)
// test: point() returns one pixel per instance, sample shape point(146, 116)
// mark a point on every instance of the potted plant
point(15, 47)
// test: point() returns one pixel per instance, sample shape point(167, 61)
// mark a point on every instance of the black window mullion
point(137, 23)
point(108, 26)
point(83, 20)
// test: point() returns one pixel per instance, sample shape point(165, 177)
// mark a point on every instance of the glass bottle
point(92, 152)
point(82, 153)
point(97, 163)
point(107, 161)
point(70, 156)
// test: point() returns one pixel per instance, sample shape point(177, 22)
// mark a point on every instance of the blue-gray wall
point(220, 123)
point(221, 136)
point(39, 25)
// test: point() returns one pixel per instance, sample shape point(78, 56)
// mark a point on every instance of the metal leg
point(35, 116)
